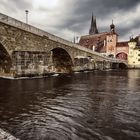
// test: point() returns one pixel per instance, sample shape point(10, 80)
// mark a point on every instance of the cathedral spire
point(93, 28)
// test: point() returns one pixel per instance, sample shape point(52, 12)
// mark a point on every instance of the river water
point(99, 105)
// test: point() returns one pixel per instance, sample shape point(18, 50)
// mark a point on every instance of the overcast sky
point(69, 18)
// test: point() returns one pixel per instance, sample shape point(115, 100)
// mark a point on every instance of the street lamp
point(26, 11)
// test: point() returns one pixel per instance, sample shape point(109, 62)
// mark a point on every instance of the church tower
point(112, 39)
point(93, 28)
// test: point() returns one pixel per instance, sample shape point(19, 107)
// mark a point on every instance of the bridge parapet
point(43, 38)
point(29, 28)
point(21, 25)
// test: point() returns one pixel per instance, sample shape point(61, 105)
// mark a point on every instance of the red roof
point(96, 40)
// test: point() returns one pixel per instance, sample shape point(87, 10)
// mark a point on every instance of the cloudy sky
point(69, 18)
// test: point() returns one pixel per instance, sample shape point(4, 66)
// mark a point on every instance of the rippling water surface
point(100, 105)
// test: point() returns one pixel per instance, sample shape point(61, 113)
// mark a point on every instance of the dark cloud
point(127, 29)
point(15, 5)
point(104, 7)
point(80, 16)
point(73, 17)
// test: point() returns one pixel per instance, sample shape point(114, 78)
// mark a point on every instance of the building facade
point(134, 53)
point(122, 50)
point(105, 43)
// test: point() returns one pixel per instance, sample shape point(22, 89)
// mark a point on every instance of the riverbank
point(6, 136)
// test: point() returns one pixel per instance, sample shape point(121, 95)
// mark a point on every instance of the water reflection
point(84, 106)
point(133, 79)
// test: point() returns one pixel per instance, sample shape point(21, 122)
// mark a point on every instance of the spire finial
point(93, 27)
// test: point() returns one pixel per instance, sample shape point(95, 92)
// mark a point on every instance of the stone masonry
point(29, 51)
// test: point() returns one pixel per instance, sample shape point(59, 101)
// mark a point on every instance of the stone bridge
point(28, 51)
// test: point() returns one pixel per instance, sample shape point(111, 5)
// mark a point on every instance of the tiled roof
point(96, 40)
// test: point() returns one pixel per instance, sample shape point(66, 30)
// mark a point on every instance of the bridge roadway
point(27, 50)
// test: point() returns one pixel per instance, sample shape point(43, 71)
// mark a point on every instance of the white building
point(134, 53)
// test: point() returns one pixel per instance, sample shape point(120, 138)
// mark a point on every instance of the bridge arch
point(61, 60)
point(5, 60)
point(123, 66)
point(119, 66)
point(122, 55)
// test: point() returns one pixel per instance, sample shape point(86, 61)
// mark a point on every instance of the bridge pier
point(27, 63)
point(84, 64)
point(102, 65)
point(108, 65)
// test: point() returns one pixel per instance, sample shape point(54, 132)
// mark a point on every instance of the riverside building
point(105, 43)
point(134, 52)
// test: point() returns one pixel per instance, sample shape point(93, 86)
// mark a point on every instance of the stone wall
point(30, 51)
point(31, 29)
